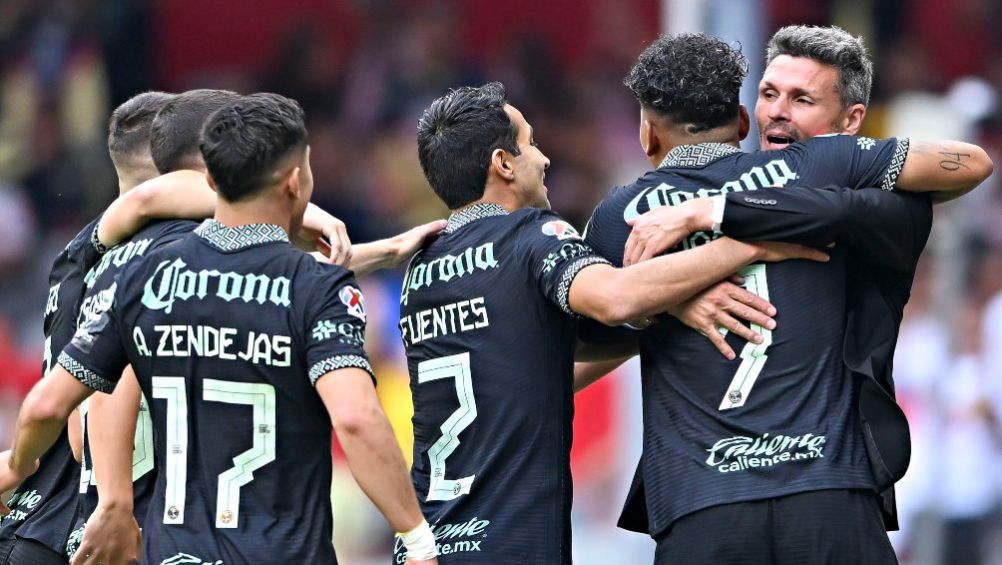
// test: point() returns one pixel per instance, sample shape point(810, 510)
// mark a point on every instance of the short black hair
point(245, 142)
point(177, 129)
point(691, 78)
point(129, 126)
point(457, 135)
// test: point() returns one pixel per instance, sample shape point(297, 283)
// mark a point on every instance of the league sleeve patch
point(866, 143)
point(352, 298)
point(561, 230)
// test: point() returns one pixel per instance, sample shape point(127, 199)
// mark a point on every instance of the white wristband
point(717, 214)
point(420, 542)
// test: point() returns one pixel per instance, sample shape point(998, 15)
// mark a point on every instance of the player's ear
point(212, 183)
point(648, 138)
point(744, 122)
point(501, 164)
point(853, 119)
point(291, 182)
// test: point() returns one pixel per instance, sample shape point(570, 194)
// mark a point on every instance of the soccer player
point(174, 139)
point(488, 318)
point(770, 446)
point(44, 508)
point(247, 349)
point(818, 81)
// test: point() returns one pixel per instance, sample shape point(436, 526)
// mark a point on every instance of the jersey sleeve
point(888, 229)
point(96, 356)
point(606, 233)
point(556, 254)
point(852, 161)
point(335, 335)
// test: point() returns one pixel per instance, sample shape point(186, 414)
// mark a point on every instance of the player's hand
point(406, 244)
point(111, 537)
point(433, 561)
point(337, 247)
point(9, 480)
point(723, 305)
point(662, 228)
point(774, 251)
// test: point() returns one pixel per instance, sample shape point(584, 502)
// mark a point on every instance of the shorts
point(817, 527)
point(24, 551)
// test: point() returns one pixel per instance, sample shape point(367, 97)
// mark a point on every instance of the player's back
point(220, 337)
point(44, 507)
point(100, 283)
point(490, 354)
point(779, 419)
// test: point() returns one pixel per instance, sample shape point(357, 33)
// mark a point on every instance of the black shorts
point(818, 527)
point(23, 551)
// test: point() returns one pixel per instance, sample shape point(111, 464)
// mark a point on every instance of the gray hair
point(831, 46)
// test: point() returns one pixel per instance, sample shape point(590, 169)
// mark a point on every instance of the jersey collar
point(232, 239)
point(697, 155)
point(472, 214)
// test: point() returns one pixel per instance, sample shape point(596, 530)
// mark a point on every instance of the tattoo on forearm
point(953, 161)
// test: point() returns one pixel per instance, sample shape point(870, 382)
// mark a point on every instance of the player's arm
point(596, 360)
point(183, 195)
point(187, 195)
point(944, 169)
point(112, 534)
point(616, 296)
point(43, 416)
point(392, 252)
point(373, 455)
point(74, 434)
point(879, 224)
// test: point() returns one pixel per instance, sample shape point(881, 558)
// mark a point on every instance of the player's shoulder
point(83, 249)
point(536, 223)
point(826, 143)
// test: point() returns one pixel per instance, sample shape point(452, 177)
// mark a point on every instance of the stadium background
point(364, 69)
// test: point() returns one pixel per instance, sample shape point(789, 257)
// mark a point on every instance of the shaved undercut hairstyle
point(177, 129)
point(247, 143)
point(129, 127)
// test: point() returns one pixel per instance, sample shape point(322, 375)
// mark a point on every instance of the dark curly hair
point(457, 135)
point(691, 78)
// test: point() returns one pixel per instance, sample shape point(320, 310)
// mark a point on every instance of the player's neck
point(129, 179)
point(253, 211)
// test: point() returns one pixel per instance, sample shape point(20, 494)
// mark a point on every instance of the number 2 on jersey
point(753, 355)
point(451, 367)
point(261, 397)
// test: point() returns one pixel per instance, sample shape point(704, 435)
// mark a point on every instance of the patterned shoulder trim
point(897, 164)
point(86, 376)
point(321, 368)
point(232, 239)
point(564, 287)
point(96, 242)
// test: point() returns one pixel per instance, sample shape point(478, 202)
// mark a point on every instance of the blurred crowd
point(364, 69)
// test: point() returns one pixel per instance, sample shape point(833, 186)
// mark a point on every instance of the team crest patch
point(561, 230)
point(353, 299)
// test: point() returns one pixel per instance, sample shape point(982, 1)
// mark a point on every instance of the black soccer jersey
point(100, 284)
point(490, 344)
point(44, 507)
point(780, 418)
point(228, 330)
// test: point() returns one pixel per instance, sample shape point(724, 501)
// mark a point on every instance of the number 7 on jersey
point(450, 367)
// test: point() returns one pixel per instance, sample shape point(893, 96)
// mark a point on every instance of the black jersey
point(100, 283)
point(228, 330)
point(490, 342)
point(44, 507)
point(780, 418)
